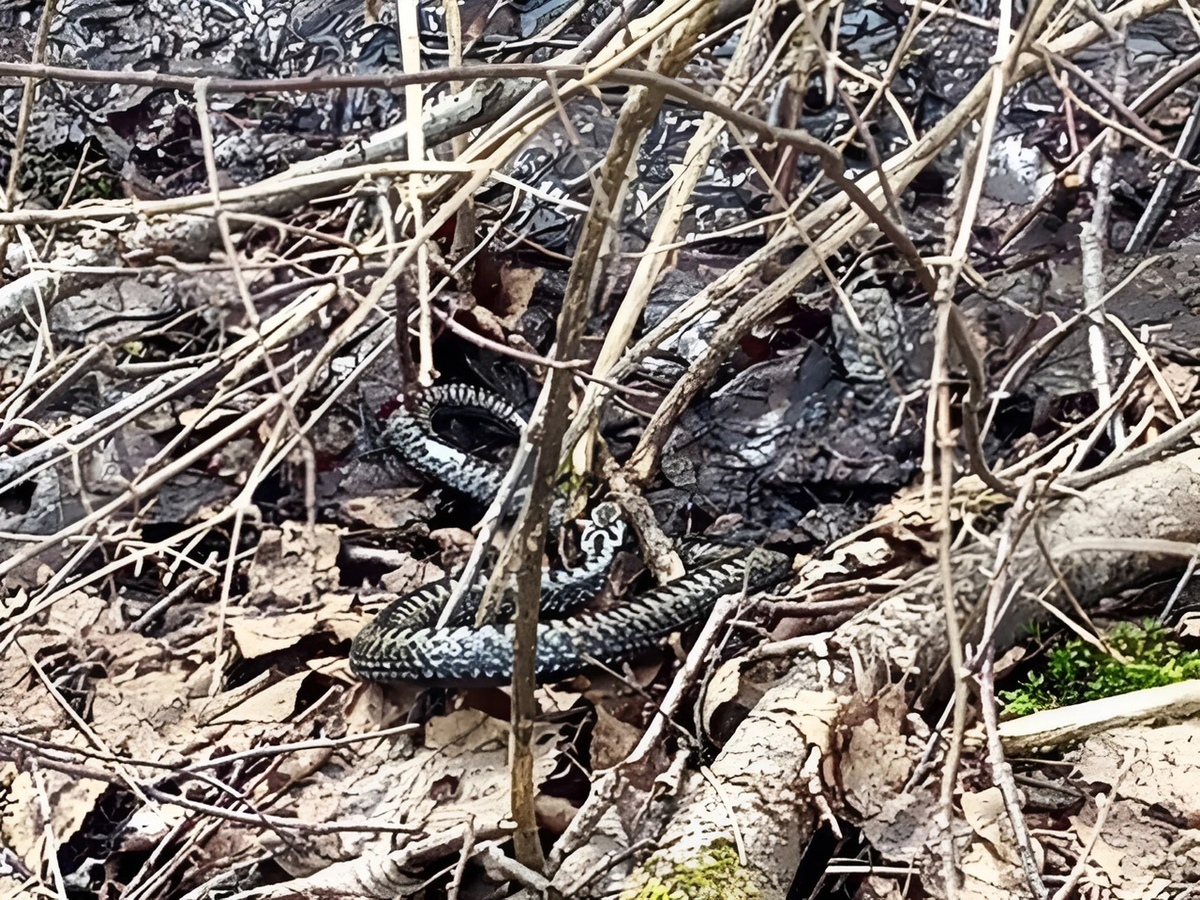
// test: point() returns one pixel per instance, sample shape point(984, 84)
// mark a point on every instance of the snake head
point(605, 514)
point(604, 531)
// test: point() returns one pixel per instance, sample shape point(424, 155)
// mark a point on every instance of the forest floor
point(957, 386)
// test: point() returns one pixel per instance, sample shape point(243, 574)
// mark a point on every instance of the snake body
point(403, 644)
point(413, 436)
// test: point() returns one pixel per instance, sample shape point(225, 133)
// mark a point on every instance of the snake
point(403, 643)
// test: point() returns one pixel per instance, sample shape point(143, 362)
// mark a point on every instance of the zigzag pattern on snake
point(402, 643)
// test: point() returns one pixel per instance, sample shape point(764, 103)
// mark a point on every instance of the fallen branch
point(781, 766)
point(1050, 729)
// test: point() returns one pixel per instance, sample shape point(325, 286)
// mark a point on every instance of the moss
point(712, 874)
point(1142, 657)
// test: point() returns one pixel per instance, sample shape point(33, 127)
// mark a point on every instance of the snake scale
point(403, 644)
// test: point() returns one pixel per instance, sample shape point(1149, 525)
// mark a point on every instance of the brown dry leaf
point(991, 866)
point(1009, 661)
point(293, 564)
point(1167, 771)
point(555, 813)
point(155, 707)
point(874, 769)
point(612, 740)
point(257, 634)
point(1134, 857)
point(76, 614)
point(518, 283)
point(336, 668)
point(488, 323)
point(274, 703)
point(1180, 380)
point(903, 828)
point(299, 765)
point(336, 617)
point(913, 507)
point(472, 753)
point(986, 876)
point(984, 812)
point(147, 708)
point(870, 553)
point(393, 508)
point(20, 829)
point(735, 688)
point(816, 571)
point(139, 710)
point(70, 620)
point(1187, 848)
point(910, 517)
point(878, 759)
point(725, 686)
point(60, 638)
point(411, 574)
point(551, 699)
point(70, 800)
point(460, 773)
point(206, 418)
point(878, 887)
point(455, 545)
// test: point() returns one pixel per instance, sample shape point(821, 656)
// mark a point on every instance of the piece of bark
point(1053, 728)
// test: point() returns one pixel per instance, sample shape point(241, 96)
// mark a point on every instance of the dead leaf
point(1132, 858)
point(394, 508)
point(69, 799)
point(206, 417)
point(1167, 771)
point(459, 773)
point(258, 634)
point(274, 703)
point(293, 565)
point(411, 574)
point(612, 740)
point(987, 876)
point(878, 758)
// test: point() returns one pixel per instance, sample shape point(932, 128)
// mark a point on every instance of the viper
point(404, 644)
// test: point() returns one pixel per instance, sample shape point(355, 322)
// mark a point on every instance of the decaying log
point(765, 794)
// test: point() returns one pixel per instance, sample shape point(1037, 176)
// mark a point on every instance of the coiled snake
point(402, 643)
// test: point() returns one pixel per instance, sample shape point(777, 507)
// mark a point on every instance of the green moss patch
point(714, 874)
point(1142, 656)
